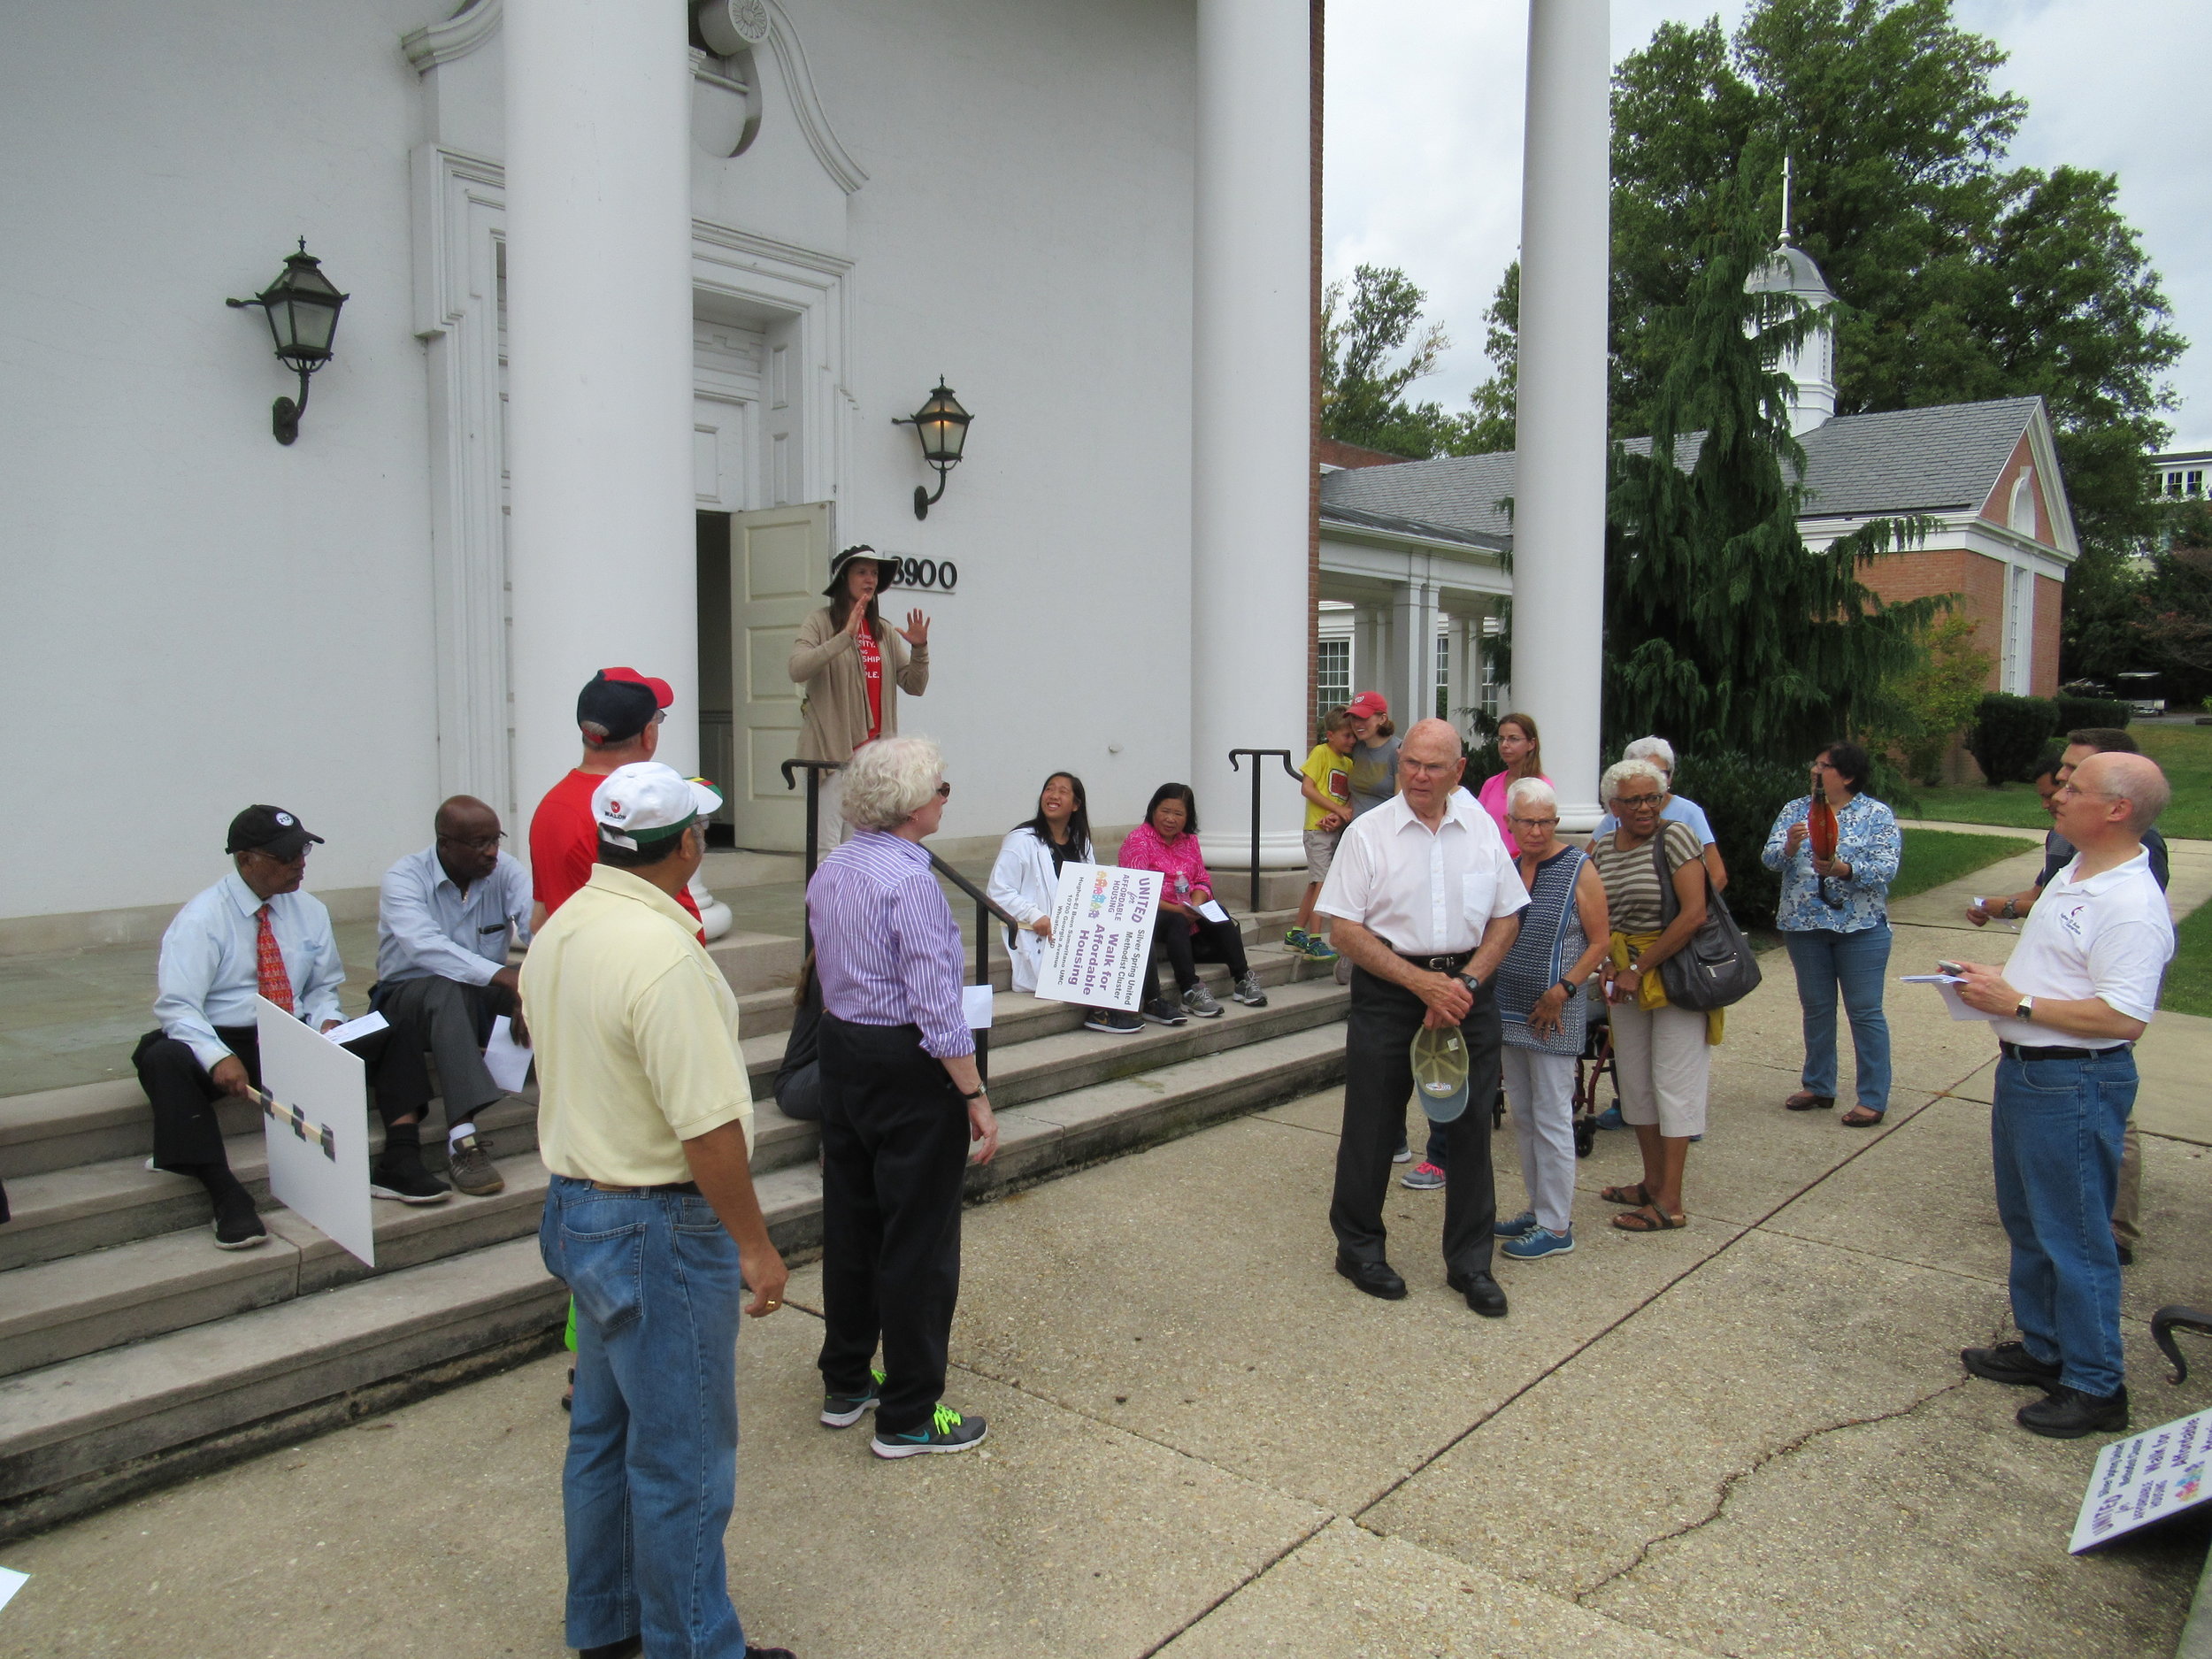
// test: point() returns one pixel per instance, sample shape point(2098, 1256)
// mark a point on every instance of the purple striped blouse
point(886, 947)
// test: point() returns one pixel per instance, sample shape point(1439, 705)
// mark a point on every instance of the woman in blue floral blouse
point(1834, 917)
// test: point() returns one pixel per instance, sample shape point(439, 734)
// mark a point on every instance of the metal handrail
point(814, 770)
point(1258, 754)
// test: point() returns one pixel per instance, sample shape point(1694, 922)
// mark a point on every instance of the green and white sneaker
point(841, 1411)
point(947, 1431)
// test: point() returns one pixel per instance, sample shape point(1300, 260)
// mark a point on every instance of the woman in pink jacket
point(1167, 841)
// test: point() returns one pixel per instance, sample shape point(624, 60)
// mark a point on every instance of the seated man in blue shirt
point(253, 933)
point(444, 920)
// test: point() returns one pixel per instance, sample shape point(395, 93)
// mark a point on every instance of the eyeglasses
point(476, 843)
point(1635, 803)
point(1531, 823)
point(1427, 769)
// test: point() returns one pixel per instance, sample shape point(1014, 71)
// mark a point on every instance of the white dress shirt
point(211, 963)
point(1424, 892)
point(2109, 937)
point(427, 928)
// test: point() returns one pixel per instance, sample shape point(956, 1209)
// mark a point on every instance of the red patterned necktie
point(275, 984)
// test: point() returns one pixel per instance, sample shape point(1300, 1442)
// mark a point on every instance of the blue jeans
point(651, 1473)
point(1857, 963)
point(2054, 1135)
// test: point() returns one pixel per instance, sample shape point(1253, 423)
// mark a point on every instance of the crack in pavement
point(1736, 1478)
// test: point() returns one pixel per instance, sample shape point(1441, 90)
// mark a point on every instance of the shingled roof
point(1948, 456)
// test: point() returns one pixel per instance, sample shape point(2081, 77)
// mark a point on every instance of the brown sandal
point(1805, 1101)
point(1648, 1219)
point(1635, 1197)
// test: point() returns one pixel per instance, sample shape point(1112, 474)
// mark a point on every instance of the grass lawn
point(2185, 752)
point(1932, 857)
point(2189, 976)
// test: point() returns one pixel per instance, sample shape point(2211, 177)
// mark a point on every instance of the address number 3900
point(939, 575)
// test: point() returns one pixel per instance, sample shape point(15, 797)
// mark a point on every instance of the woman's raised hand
point(916, 632)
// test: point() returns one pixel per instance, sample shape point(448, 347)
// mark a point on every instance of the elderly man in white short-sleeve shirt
point(2080, 988)
point(1424, 902)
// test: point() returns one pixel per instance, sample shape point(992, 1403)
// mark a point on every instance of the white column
point(1559, 481)
point(1411, 688)
point(1250, 342)
point(602, 545)
point(1370, 649)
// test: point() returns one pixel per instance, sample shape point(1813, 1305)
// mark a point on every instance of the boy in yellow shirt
point(1326, 783)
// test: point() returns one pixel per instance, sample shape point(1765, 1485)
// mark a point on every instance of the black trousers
point(451, 1021)
point(186, 1129)
point(1378, 1083)
point(894, 1152)
point(1214, 941)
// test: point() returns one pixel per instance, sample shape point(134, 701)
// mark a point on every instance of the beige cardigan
point(834, 709)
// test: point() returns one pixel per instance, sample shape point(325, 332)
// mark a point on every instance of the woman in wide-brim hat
point(853, 664)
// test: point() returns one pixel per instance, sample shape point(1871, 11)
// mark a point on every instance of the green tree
point(1363, 381)
point(1960, 279)
point(1722, 628)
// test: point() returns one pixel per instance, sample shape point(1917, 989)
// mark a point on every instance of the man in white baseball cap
point(644, 1121)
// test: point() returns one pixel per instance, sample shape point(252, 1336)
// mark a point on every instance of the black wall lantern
point(942, 426)
point(302, 307)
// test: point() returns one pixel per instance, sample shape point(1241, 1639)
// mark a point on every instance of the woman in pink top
point(1167, 841)
point(1523, 753)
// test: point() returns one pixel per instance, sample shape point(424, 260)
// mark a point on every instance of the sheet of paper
point(1102, 936)
point(975, 1003)
point(11, 1581)
point(1212, 911)
point(507, 1060)
point(318, 1161)
point(367, 1026)
point(1949, 984)
point(2143, 1479)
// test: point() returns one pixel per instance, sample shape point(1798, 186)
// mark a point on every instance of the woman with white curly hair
point(1662, 1063)
point(902, 1104)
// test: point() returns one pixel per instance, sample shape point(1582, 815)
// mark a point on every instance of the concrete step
point(265, 1364)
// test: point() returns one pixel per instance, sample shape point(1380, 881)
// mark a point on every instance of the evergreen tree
point(1723, 630)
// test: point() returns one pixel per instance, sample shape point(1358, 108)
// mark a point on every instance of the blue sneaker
point(1610, 1118)
point(841, 1411)
point(1516, 1228)
point(1537, 1243)
point(947, 1431)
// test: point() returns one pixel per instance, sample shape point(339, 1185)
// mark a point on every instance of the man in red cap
point(619, 715)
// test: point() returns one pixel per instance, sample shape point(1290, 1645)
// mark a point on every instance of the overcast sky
point(1423, 143)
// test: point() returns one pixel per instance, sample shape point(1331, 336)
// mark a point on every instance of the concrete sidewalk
point(1750, 1437)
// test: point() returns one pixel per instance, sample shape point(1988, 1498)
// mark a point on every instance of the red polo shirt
point(564, 842)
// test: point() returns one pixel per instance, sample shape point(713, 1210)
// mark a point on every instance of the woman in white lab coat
point(1026, 876)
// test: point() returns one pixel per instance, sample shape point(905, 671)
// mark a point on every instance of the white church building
point(629, 320)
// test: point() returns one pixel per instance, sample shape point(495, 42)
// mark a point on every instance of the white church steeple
point(1810, 365)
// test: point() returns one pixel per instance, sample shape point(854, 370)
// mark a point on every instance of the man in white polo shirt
point(644, 1120)
point(2080, 989)
point(1424, 902)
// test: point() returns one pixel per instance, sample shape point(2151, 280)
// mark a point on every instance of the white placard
point(507, 1060)
point(975, 1006)
point(1102, 936)
point(1949, 984)
point(11, 1581)
point(2145, 1478)
point(1212, 911)
point(354, 1030)
point(318, 1152)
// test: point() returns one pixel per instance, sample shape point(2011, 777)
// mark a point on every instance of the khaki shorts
point(1320, 853)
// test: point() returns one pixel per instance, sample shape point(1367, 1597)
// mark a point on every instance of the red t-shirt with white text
point(564, 842)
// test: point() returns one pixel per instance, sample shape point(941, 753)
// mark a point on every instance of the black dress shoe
point(770, 1652)
point(2011, 1363)
point(2127, 1256)
point(1482, 1293)
point(629, 1648)
point(2067, 1414)
point(1376, 1278)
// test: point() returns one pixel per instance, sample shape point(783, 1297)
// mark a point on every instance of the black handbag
point(1718, 966)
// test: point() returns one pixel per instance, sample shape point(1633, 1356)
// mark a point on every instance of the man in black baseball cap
point(253, 934)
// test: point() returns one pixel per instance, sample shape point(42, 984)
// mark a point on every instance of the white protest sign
point(2145, 1478)
point(316, 1125)
point(1102, 936)
point(507, 1060)
point(1949, 984)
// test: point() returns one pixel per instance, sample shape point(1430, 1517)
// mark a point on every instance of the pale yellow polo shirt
point(635, 1031)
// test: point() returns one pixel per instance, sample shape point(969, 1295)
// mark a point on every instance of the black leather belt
point(2023, 1051)
point(1450, 961)
point(689, 1189)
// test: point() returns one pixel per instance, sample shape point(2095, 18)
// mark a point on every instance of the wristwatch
point(975, 1094)
point(2025, 1009)
point(2007, 912)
